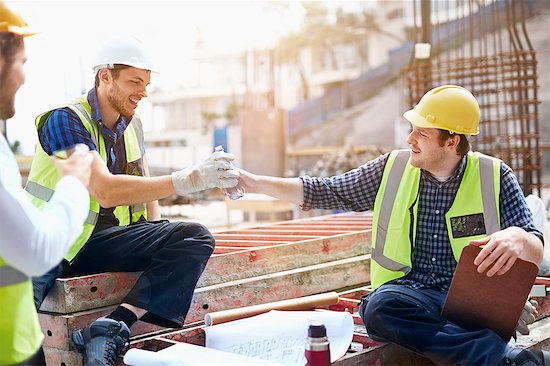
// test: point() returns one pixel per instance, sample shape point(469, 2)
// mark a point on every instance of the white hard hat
point(125, 51)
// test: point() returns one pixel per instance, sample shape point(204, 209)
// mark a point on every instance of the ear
point(105, 76)
point(453, 141)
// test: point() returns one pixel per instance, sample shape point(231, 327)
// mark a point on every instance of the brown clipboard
point(475, 301)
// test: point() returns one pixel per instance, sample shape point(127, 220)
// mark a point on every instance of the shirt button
point(432, 274)
point(433, 259)
point(437, 212)
point(435, 236)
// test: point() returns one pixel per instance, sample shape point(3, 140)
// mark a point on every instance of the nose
point(410, 138)
point(143, 92)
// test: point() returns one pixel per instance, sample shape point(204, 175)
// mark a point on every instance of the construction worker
point(32, 241)
point(123, 231)
point(417, 196)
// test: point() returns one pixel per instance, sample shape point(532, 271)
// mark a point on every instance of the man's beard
point(117, 102)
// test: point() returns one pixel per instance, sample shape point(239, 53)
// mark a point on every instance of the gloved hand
point(527, 316)
point(215, 171)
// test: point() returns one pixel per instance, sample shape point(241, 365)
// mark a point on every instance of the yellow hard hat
point(447, 107)
point(12, 22)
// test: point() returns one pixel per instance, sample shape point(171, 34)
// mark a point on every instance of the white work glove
point(527, 317)
point(215, 171)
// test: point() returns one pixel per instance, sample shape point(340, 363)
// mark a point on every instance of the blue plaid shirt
point(433, 263)
point(63, 129)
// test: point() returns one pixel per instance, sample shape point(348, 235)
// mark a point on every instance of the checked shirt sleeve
point(352, 191)
point(513, 207)
point(62, 130)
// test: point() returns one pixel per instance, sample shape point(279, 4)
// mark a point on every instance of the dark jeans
point(411, 318)
point(37, 359)
point(172, 257)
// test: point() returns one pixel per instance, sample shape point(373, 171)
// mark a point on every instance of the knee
point(374, 310)
point(199, 235)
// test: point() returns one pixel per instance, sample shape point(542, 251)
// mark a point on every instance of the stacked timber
point(250, 266)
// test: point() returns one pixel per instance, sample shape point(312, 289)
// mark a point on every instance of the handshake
point(215, 171)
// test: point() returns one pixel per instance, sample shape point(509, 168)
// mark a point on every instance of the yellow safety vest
point(43, 176)
point(474, 213)
point(20, 334)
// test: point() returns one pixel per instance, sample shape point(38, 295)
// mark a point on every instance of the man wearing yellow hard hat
point(31, 241)
point(429, 202)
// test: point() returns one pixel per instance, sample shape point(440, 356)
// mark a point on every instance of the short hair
point(463, 146)
point(9, 44)
point(115, 71)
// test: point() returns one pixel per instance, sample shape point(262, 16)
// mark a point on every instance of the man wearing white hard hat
point(123, 231)
point(32, 240)
point(428, 203)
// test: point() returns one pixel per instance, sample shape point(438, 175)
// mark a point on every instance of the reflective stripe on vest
point(11, 276)
point(490, 209)
point(390, 193)
point(20, 333)
point(394, 225)
point(45, 194)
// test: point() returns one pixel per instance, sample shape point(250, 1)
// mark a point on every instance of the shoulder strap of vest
point(390, 192)
point(138, 127)
point(487, 167)
point(81, 107)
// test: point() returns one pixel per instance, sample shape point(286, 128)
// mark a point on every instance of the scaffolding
point(484, 47)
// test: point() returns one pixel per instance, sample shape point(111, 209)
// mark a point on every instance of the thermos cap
point(316, 330)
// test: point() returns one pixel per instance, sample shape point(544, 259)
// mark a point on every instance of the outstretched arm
point(286, 189)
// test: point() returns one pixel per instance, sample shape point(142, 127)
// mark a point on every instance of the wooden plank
point(273, 231)
point(57, 328)
point(249, 243)
point(228, 249)
point(255, 236)
point(278, 286)
point(58, 357)
point(387, 354)
point(74, 294)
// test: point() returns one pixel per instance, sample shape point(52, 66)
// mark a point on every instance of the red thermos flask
point(317, 347)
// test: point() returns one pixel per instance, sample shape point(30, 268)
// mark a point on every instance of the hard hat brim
point(137, 65)
point(20, 31)
point(417, 120)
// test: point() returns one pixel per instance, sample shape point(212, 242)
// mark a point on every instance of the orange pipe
point(301, 303)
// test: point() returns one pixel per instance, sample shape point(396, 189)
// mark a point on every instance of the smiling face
point(429, 153)
point(125, 88)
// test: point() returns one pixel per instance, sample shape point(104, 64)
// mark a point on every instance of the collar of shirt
point(120, 126)
point(457, 173)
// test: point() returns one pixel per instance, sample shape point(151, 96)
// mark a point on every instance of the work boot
point(101, 341)
point(525, 357)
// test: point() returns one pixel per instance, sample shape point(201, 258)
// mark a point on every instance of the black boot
point(525, 357)
point(102, 341)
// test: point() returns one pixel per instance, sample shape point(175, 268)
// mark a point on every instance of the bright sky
point(70, 32)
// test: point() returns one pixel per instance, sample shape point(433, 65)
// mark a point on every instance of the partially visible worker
point(32, 241)
point(123, 232)
point(429, 202)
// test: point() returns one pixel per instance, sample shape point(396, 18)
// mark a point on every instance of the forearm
point(286, 189)
point(122, 190)
point(533, 249)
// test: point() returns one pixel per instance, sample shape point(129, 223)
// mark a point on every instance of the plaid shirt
point(433, 263)
point(63, 129)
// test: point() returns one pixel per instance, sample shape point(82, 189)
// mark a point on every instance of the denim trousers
point(172, 256)
point(412, 319)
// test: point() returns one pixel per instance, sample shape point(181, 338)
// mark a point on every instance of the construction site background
point(320, 136)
